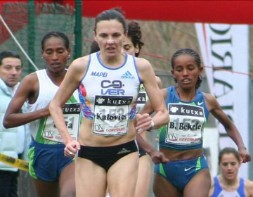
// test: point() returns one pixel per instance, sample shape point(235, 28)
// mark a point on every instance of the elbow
point(6, 123)
point(10, 120)
point(162, 119)
point(166, 118)
point(51, 107)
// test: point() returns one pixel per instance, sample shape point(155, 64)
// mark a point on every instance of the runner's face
point(10, 71)
point(185, 71)
point(55, 54)
point(129, 47)
point(109, 36)
point(229, 166)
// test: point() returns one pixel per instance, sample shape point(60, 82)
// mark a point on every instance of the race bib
point(71, 112)
point(142, 98)
point(111, 115)
point(185, 126)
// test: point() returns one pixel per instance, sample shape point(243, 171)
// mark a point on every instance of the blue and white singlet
point(108, 95)
point(219, 192)
point(187, 119)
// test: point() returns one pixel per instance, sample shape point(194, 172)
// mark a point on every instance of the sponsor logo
point(99, 74)
point(191, 111)
point(123, 151)
point(100, 100)
point(174, 109)
point(200, 103)
point(113, 100)
point(188, 110)
point(71, 109)
point(141, 98)
point(187, 169)
point(127, 75)
point(172, 137)
point(114, 87)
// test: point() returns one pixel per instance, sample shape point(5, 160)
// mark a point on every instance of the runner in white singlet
point(108, 82)
point(52, 172)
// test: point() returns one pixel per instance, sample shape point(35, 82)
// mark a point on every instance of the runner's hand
point(71, 148)
point(143, 122)
point(158, 157)
point(245, 156)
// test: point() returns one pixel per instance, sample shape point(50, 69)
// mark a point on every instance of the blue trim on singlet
point(87, 68)
point(218, 189)
point(82, 97)
point(111, 68)
point(172, 97)
point(132, 113)
point(85, 110)
point(136, 69)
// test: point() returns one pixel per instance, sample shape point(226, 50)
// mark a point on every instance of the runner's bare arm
point(229, 126)
point(27, 91)
point(148, 77)
point(156, 156)
point(68, 86)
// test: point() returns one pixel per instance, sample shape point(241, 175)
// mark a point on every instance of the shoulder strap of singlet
point(216, 188)
point(240, 189)
point(169, 91)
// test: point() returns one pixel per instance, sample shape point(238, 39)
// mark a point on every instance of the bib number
point(111, 115)
point(71, 112)
point(185, 126)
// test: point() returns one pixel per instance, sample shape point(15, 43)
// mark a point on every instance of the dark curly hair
point(134, 33)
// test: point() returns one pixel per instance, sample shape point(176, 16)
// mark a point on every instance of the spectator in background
point(227, 183)
point(12, 141)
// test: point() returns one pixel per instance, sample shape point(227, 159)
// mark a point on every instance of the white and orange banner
point(225, 55)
